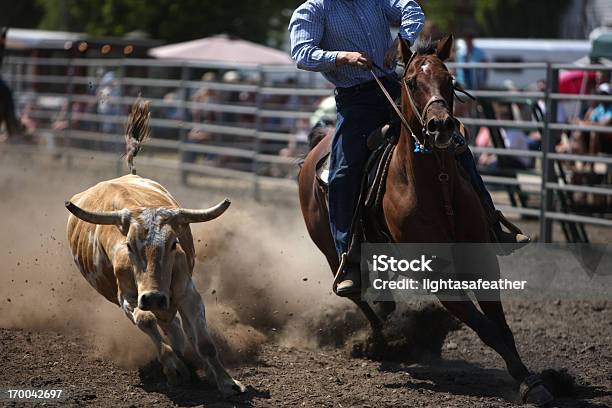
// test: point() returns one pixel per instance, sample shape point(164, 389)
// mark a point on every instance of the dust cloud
point(261, 277)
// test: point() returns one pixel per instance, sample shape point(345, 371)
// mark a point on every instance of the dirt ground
point(291, 347)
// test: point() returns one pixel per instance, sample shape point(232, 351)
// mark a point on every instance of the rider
point(343, 39)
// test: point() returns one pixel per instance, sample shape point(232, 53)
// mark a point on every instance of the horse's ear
point(403, 51)
point(444, 48)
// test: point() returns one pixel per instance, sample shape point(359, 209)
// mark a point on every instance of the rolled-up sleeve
point(408, 15)
point(306, 30)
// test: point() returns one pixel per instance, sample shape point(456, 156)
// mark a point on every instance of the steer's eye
point(173, 247)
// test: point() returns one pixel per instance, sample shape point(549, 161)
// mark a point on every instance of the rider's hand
point(356, 59)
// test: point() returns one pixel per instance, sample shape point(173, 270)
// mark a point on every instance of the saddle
point(368, 220)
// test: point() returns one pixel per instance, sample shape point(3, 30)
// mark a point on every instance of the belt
point(364, 86)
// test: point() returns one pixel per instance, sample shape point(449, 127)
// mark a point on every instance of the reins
point(419, 146)
point(443, 176)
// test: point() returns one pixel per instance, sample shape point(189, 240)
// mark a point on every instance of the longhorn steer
point(132, 242)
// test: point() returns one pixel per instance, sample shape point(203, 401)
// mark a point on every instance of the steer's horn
point(120, 217)
point(186, 216)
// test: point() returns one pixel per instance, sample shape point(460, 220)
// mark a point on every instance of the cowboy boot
point(348, 276)
point(510, 241)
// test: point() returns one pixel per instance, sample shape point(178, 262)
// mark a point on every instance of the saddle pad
point(373, 172)
point(323, 170)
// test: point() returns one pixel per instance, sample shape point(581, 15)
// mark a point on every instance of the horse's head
point(428, 90)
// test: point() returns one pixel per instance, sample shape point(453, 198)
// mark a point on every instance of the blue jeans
point(466, 160)
point(361, 110)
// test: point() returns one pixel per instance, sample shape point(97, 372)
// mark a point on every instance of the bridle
point(420, 146)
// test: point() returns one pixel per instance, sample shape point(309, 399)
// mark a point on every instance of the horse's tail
point(137, 131)
point(318, 132)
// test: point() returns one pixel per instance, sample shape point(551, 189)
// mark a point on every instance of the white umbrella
point(223, 48)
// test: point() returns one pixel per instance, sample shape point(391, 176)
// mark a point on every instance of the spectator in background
point(513, 138)
point(107, 106)
point(205, 95)
point(230, 97)
point(170, 109)
point(471, 78)
point(601, 115)
point(326, 111)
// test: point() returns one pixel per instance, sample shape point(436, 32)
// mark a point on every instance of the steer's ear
point(444, 48)
point(403, 51)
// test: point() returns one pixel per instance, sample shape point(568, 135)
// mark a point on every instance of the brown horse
point(427, 200)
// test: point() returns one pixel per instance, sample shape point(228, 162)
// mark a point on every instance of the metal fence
point(252, 124)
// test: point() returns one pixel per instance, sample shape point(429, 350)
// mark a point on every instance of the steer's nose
point(440, 125)
point(153, 301)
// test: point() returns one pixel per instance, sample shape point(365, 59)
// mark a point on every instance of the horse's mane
point(426, 46)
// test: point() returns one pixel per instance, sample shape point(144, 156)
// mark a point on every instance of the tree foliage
point(520, 18)
point(263, 21)
point(498, 18)
point(170, 20)
point(21, 14)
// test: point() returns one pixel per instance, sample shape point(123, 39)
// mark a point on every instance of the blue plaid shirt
point(321, 28)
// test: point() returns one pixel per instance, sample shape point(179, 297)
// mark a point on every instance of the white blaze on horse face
point(425, 68)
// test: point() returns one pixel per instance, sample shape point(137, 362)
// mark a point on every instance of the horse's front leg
point(532, 391)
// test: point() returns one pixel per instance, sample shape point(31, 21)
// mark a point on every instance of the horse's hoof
point(376, 346)
point(232, 387)
point(533, 392)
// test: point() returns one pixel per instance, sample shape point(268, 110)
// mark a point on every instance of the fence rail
point(255, 129)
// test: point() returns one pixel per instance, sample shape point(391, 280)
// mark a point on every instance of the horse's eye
point(174, 245)
point(412, 83)
point(129, 247)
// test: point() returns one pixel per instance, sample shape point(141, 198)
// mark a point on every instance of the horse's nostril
point(432, 126)
point(448, 124)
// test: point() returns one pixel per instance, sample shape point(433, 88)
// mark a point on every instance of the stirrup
point(507, 242)
point(506, 223)
point(351, 277)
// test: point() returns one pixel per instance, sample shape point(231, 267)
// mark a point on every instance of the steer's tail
point(137, 131)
